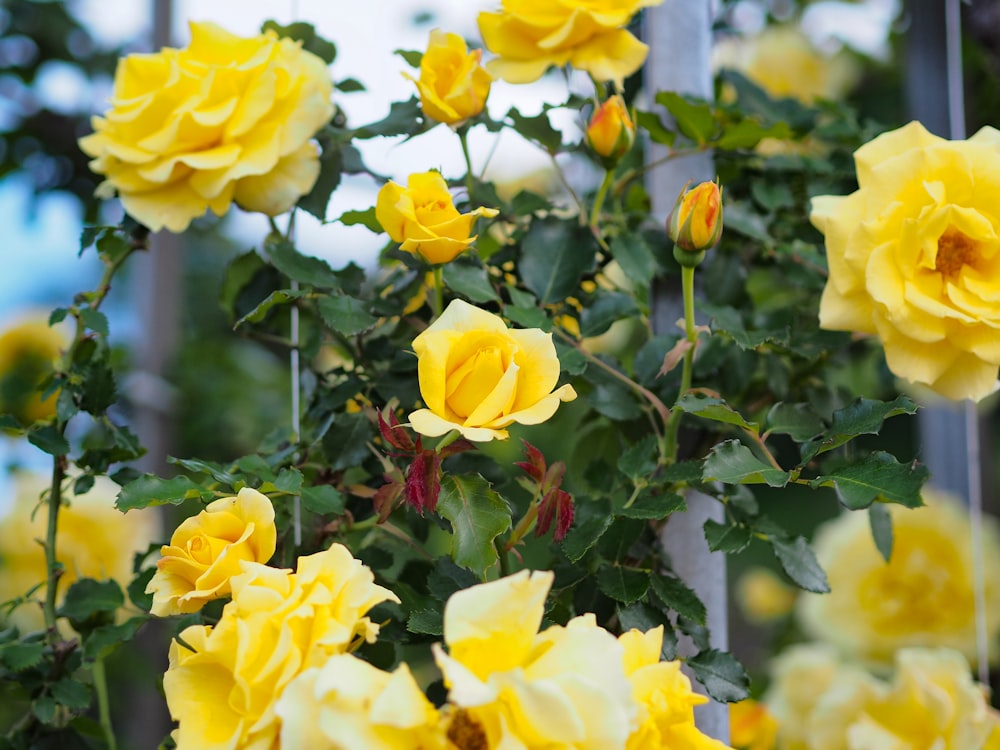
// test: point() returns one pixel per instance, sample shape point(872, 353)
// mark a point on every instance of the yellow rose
point(508, 683)
point(922, 597)
point(423, 218)
point(695, 223)
point(29, 352)
point(205, 552)
point(751, 726)
point(913, 256)
point(95, 540)
point(225, 119)
point(477, 376)
point(347, 704)
point(611, 132)
point(763, 597)
point(453, 85)
point(279, 623)
point(664, 696)
point(530, 36)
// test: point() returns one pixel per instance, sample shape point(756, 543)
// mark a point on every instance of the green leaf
point(585, 534)
point(878, 476)
point(651, 123)
point(694, 119)
point(19, 655)
point(654, 507)
point(365, 218)
point(111, 245)
point(724, 678)
point(625, 585)
point(412, 56)
point(528, 317)
point(331, 172)
point(300, 31)
point(799, 562)
point(863, 417)
point(634, 256)
point(608, 308)
point(305, 269)
point(95, 320)
point(714, 409)
point(726, 537)
point(240, 272)
point(881, 524)
point(219, 473)
point(345, 315)
point(675, 594)
point(732, 462)
point(640, 460)
point(536, 128)
point(555, 254)
point(149, 490)
point(103, 640)
point(323, 499)
point(748, 133)
point(49, 440)
point(137, 589)
point(87, 597)
point(404, 118)
point(427, 621)
point(279, 297)
point(72, 694)
point(44, 709)
point(798, 421)
point(349, 86)
point(478, 515)
point(470, 280)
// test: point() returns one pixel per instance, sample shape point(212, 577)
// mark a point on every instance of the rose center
point(474, 380)
point(955, 250)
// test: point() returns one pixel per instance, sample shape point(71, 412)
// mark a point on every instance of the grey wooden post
point(680, 39)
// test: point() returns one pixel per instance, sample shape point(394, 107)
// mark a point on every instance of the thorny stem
point(669, 445)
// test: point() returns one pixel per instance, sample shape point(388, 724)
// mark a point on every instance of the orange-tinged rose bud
point(611, 131)
point(695, 224)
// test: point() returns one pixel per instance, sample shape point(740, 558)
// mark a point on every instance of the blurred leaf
point(723, 677)
point(404, 118)
point(748, 133)
point(239, 273)
point(346, 315)
point(625, 585)
point(651, 123)
point(280, 297)
point(323, 499)
point(536, 128)
point(19, 655)
point(478, 515)
point(101, 641)
point(877, 476)
point(428, 621)
point(799, 421)
point(714, 409)
point(634, 256)
point(48, 440)
point(726, 537)
point(675, 594)
point(732, 462)
point(70, 693)
point(605, 310)
point(555, 255)
point(95, 320)
point(799, 562)
point(87, 597)
point(470, 280)
point(640, 460)
point(365, 218)
point(305, 269)
point(412, 56)
point(863, 417)
point(694, 119)
point(305, 33)
point(881, 524)
point(654, 507)
point(149, 490)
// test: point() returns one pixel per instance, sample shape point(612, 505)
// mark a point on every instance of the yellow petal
point(276, 191)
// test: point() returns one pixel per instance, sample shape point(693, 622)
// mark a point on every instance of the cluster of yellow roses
point(278, 667)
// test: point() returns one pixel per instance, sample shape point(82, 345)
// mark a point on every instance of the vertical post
point(679, 33)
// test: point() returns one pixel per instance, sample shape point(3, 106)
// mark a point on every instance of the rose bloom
point(511, 686)
point(663, 693)
point(224, 119)
point(922, 597)
point(763, 597)
point(29, 351)
point(695, 223)
point(423, 218)
point(95, 540)
point(913, 256)
point(611, 132)
point(751, 726)
point(205, 552)
point(347, 704)
point(278, 624)
point(477, 376)
point(453, 85)
point(530, 36)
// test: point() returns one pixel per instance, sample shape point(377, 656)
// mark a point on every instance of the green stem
point(526, 523)
point(51, 561)
point(595, 212)
point(438, 291)
point(463, 136)
point(669, 445)
point(103, 704)
point(447, 440)
point(600, 90)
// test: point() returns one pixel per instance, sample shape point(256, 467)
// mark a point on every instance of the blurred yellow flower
point(347, 704)
point(422, 217)
point(453, 85)
point(752, 726)
point(95, 540)
point(225, 119)
point(278, 624)
point(477, 376)
point(611, 132)
point(785, 63)
point(762, 596)
point(511, 686)
point(922, 597)
point(530, 36)
point(205, 552)
point(29, 351)
point(914, 257)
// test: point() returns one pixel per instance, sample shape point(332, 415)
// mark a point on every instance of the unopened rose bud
point(611, 132)
point(695, 224)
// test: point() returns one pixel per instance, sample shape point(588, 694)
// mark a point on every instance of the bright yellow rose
point(423, 218)
point(278, 624)
point(453, 85)
point(95, 540)
point(913, 256)
point(611, 132)
point(347, 704)
point(511, 686)
point(477, 376)
point(29, 352)
point(752, 726)
point(763, 597)
point(922, 597)
point(205, 552)
point(664, 695)
point(225, 119)
point(530, 36)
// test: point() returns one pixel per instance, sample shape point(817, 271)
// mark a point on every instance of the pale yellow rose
point(278, 624)
point(913, 257)
point(752, 726)
point(664, 696)
point(477, 376)
point(206, 550)
point(922, 597)
point(225, 119)
point(347, 704)
point(763, 597)
point(530, 36)
point(511, 686)
point(453, 85)
point(423, 218)
point(29, 352)
point(95, 540)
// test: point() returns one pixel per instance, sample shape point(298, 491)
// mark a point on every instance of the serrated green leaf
point(240, 272)
point(863, 417)
point(642, 617)
point(149, 490)
point(404, 118)
point(305, 269)
point(470, 280)
point(427, 621)
point(723, 676)
point(651, 123)
point(880, 521)
point(289, 481)
point(748, 133)
point(608, 308)
point(625, 585)
point(694, 119)
point(799, 421)
point(731, 462)
point(583, 535)
point(714, 409)
point(217, 471)
point(726, 537)
point(536, 128)
point(528, 317)
point(303, 32)
point(554, 256)
point(323, 499)
point(478, 515)
point(365, 218)
point(95, 320)
point(684, 471)
point(49, 440)
point(345, 315)
point(44, 708)
point(654, 507)
point(279, 297)
point(87, 597)
point(878, 476)
point(640, 460)
point(112, 245)
point(72, 694)
point(800, 563)
point(635, 257)
point(675, 594)
point(19, 655)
